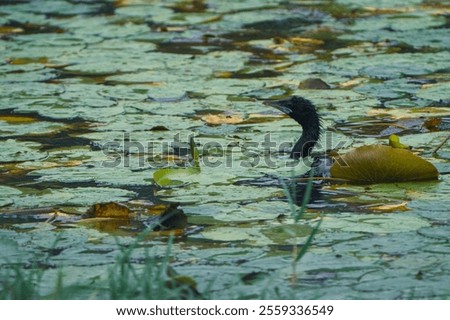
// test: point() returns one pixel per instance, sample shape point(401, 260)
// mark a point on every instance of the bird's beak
point(276, 104)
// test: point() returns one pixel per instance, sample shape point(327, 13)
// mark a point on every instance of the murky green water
point(95, 95)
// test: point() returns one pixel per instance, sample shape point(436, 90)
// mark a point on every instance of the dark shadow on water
point(320, 198)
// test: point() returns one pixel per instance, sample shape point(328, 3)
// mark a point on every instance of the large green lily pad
point(377, 163)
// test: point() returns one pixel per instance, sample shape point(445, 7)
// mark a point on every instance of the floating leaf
point(377, 163)
point(170, 177)
point(15, 151)
point(9, 30)
point(17, 119)
point(314, 83)
point(432, 124)
point(435, 92)
point(215, 119)
point(390, 207)
point(171, 218)
point(135, 216)
point(6, 194)
point(109, 210)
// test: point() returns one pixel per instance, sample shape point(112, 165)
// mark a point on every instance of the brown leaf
point(222, 119)
point(109, 210)
point(378, 163)
point(432, 124)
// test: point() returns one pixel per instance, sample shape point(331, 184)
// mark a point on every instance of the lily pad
point(436, 92)
point(378, 163)
point(80, 196)
point(384, 224)
point(5, 195)
point(18, 151)
point(171, 177)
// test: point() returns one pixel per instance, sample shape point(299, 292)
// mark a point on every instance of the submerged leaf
point(377, 163)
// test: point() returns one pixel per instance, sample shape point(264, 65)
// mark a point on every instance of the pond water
point(97, 96)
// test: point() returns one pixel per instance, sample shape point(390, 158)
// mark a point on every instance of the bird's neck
point(308, 139)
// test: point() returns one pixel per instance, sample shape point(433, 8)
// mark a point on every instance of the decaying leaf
point(352, 83)
point(9, 30)
point(216, 119)
point(378, 163)
point(171, 218)
point(109, 210)
point(305, 41)
point(112, 216)
point(390, 207)
point(432, 124)
point(17, 119)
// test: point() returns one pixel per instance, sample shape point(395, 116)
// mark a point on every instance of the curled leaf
point(378, 163)
point(394, 142)
point(171, 177)
point(314, 83)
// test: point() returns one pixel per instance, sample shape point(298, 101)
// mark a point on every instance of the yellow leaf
point(391, 207)
point(223, 74)
point(394, 142)
point(222, 119)
point(377, 163)
point(352, 83)
point(7, 30)
point(171, 177)
point(17, 119)
point(22, 61)
point(303, 41)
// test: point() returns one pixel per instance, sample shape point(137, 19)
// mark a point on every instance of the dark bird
point(305, 113)
point(368, 164)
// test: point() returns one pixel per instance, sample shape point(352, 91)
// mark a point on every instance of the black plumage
point(305, 113)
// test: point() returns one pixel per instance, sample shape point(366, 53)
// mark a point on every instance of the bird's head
point(305, 113)
point(298, 108)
